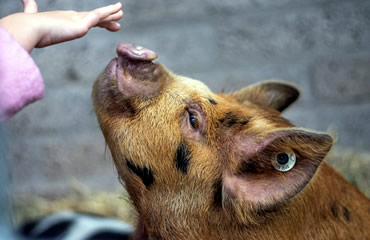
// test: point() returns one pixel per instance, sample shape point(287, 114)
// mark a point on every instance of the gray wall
point(323, 45)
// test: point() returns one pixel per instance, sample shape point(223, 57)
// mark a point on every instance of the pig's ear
point(269, 170)
point(274, 94)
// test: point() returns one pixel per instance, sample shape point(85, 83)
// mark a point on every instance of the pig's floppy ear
point(271, 169)
point(273, 94)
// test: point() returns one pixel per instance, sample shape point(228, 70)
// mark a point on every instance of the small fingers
point(30, 6)
point(111, 26)
point(114, 17)
point(97, 15)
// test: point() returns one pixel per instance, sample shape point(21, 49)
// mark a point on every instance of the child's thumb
point(30, 6)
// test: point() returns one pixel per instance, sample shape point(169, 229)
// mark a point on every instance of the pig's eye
point(193, 121)
point(284, 161)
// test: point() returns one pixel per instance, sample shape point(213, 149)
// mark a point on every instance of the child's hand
point(32, 29)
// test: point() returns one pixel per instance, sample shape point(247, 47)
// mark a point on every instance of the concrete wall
point(323, 45)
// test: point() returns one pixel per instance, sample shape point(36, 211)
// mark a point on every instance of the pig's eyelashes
point(193, 121)
point(284, 161)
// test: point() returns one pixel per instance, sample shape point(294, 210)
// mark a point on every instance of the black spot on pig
point(334, 209)
point(144, 173)
point(346, 214)
point(182, 158)
point(230, 119)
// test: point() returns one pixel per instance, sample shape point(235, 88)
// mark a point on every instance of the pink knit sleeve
point(21, 82)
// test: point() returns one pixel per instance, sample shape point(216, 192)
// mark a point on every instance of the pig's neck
point(328, 208)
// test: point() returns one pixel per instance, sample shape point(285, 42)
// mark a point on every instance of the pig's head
point(192, 159)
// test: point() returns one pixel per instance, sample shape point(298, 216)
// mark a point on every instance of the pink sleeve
point(20, 79)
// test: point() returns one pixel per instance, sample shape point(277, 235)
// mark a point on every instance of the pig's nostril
point(133, 52)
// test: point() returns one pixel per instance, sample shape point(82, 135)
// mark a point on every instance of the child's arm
point(20, 79)
point(32, 29)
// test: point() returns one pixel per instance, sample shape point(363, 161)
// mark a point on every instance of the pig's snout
point(130, 76)
point(129, 79)
point(134, 63)
point(133, 52)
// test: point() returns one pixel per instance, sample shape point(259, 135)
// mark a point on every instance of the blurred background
point(56, 151)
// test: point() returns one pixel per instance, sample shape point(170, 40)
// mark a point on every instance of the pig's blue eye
point(193, 121)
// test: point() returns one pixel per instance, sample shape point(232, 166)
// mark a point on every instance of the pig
point(200, 165)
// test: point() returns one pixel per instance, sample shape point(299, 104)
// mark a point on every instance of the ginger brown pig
point(201, 165)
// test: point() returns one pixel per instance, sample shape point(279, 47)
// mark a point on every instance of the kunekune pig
point(200, 165)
